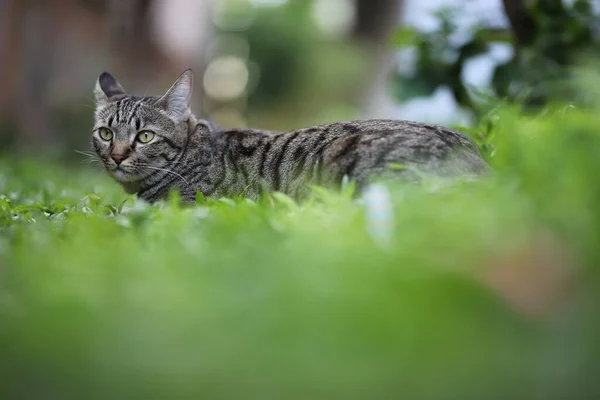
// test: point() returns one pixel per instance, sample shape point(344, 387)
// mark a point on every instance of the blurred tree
point(51, 51)
point(137, 57)
point(30, 31)
point(522, 24)
point(312, 64)
point(376, 21)
point(548, 38)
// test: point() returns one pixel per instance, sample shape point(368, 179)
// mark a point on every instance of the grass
point(484, 289)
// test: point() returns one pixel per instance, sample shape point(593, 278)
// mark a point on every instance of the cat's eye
point(145, 136)
point(105, 134)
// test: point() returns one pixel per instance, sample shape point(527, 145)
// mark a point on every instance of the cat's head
point(137, 136)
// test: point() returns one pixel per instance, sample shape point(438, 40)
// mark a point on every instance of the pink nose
point(118, 158)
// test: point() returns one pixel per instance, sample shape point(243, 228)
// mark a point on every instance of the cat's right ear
point(107, 88)
point(176, 102)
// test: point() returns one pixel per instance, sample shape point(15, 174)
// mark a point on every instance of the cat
point(153, 145)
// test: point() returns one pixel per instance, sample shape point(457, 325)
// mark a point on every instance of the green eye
point(145, 136)
point(105, 134)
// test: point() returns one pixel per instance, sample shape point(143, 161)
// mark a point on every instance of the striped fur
point(193, 156)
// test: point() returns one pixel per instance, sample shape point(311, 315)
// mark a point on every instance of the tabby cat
point(152, 145)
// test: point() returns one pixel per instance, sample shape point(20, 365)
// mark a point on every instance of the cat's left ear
point(107, 88)
point(176, 102)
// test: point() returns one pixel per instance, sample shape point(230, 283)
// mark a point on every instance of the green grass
point(487, 289)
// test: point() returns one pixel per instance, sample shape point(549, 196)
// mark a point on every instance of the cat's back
point(246, 160)
point(391, 131)
point(370, 140)
point(366, 129)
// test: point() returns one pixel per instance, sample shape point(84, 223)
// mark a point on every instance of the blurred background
point(486, 290)
point(283, 64)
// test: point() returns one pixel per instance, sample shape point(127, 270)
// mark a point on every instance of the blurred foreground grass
point(488, 290)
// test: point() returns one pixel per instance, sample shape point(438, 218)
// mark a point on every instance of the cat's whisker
point(147, 90)
point(167, 171)
point(90, 157)
point(92, 100)
point(90, 161)
point(86, 106)
point(136, 170)
point(85, 153)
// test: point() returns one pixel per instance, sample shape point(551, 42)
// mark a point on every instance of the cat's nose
point(118, 158)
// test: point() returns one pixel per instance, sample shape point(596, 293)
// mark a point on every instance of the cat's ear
point(107, 88)
point(176, 102)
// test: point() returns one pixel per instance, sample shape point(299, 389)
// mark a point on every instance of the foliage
point(552, 37)
point(485, 288)
point(298, 73)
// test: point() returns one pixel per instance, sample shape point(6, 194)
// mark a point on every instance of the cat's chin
point(130, 183)
point(123, 177)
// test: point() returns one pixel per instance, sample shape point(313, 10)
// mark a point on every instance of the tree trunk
point(30, 37)
point(522, 24)
point(377, 21)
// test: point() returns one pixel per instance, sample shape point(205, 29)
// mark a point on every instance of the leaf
point(200, 200)
point(174, 198)
point(112, 209)
point(285, 200)
point(319, 190)
point(408, 88)
point(5, 204)
point(27, 207)
point(348, 187)
point(396, 166)
point(471, 49)
point(227, 201)
point(489, 35)
point(121, 205)
point(405, 37)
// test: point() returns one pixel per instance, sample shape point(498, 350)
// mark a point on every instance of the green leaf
point(227, 201)
point(405, 37)
point(396, 166)
point(200, 200)
point(348, 187)
point(285, 200)
point(122, 204)
point(174, 198)
point(408, 88)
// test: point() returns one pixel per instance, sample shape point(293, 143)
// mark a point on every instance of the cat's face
point(137, 136)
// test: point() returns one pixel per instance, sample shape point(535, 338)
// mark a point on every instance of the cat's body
point(198, 156)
